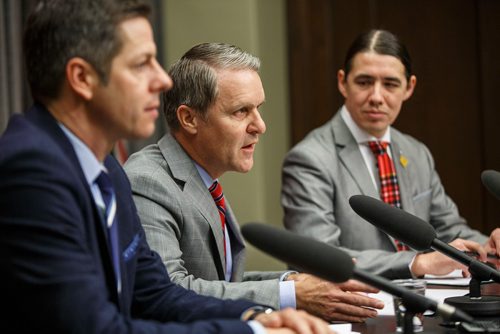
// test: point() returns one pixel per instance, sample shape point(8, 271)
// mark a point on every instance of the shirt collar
point(88, 161)
point(207, 179)
point(360, 135)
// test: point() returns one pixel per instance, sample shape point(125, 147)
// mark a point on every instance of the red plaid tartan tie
point(218, 196)
point(389, 187)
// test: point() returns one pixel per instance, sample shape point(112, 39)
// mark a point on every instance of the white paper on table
point(452, 279)
point(342, 328)
point(388, 303)
point(436, 294)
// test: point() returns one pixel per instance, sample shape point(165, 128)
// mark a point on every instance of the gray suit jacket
point(325, 169)
point(182, 224)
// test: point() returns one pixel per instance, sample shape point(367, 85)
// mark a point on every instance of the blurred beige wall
point(257, 26)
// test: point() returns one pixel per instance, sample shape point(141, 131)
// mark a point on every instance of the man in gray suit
point(215, 124)
point(336, 161)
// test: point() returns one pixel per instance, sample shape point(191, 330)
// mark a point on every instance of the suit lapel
point(184, 170)
point(40, 116)
point(237, 243)
point(353, 161)
point(351, 157)
point(402, 169)
point(43, 119)
point(233, 224)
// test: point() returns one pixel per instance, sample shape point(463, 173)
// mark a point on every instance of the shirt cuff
point(287, 294)
point(285, 275)
point(409, 267)
point(256, 327)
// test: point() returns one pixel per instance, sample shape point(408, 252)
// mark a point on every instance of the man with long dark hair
point(359, 152)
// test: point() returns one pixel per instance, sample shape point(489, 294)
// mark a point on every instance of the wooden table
point(387, 324)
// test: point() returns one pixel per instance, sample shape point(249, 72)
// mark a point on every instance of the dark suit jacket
point(55, 268)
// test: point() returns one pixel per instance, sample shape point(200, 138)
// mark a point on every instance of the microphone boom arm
point(413, 302)
point(477, 269)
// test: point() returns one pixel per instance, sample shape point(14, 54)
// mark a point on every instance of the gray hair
point(195, 77)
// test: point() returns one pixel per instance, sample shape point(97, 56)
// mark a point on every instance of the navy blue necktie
point(108, 196)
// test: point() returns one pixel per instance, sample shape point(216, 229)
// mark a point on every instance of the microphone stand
point(473, 303)
point(408, 321)
point(474, 288)
point(413, 303)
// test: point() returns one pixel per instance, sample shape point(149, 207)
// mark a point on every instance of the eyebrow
point(370, 77)
point(247, 105)
point(363, 76)
point(146, 54)
point(393, 79)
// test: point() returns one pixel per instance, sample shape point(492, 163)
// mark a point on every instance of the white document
point(342, 328)
point(388, 304)
point(452, 279)
point(436, 294)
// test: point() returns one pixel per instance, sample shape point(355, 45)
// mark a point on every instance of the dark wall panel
point(445, 111)
point(311, 66)
point(489, 58)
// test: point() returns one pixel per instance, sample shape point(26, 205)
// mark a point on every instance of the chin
point(376, 129)
point(245, 169)
point(145, 132)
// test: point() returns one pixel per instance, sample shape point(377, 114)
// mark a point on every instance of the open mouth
point(249, 146)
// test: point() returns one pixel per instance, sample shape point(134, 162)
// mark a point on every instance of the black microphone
point(332, 264)
point(288, 247)
point(416, 233)
point(421, 236)
point(491, 180)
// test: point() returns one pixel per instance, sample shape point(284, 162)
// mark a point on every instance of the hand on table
point(342, 302)
point(292, 321)
point(436, 263)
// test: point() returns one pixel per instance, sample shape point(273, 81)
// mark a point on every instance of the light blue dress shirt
point(88, 161)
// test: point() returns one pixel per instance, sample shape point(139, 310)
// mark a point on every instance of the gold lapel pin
point(403, 161)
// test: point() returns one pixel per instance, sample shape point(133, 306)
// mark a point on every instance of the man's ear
point(188, 119)
point(81, 77)
point(341, 80)
point(410, 88)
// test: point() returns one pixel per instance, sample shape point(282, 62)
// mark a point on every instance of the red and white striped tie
point(218, 196)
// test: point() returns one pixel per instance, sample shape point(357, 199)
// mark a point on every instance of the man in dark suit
point(74, 256)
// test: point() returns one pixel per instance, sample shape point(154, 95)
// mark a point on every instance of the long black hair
point(381, 42)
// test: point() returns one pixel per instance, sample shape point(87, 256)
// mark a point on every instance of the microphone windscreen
point(306, 254)
point(491, 180)
point(399, 224)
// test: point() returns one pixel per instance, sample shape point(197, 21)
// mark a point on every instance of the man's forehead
point(376, 57)
point(136, 39)
point(135, 30)
point(378, 72)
